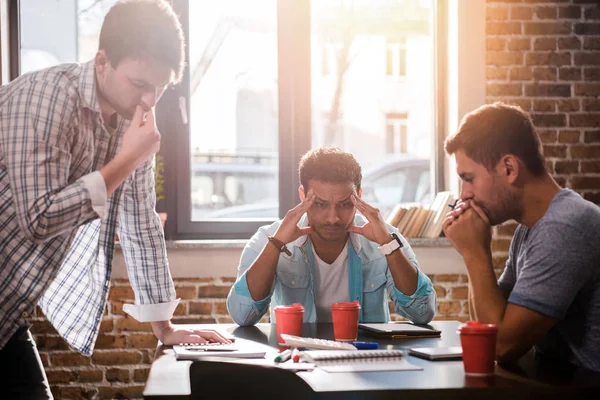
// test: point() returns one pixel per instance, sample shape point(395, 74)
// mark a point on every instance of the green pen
point(283, 356)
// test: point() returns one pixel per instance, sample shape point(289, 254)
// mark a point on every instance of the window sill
point(220, 258)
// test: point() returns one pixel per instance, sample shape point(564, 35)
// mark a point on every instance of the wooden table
point(210, 378)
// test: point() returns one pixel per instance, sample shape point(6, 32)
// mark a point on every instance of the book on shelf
point(422, 221)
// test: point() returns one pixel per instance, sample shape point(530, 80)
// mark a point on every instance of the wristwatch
point(392, 246)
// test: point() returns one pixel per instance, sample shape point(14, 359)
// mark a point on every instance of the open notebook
point(359, 360)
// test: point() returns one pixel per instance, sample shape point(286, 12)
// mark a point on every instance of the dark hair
point(329, 164)
point(142, 29)
point(494, 130)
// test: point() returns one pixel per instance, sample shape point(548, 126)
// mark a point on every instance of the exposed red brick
point(585, 120)
point(559, 151)
point(568, 105)
point(113, 357)
point(200, 307)
point(142, 341)
point(494, 73)
point(501, 58)
point(548, 90)
point(546, 12)
point(587, 28)
point(213, 291)
point(587, 59)
point(501, 90)
point(544, 105)
point(60, 376)
point(141, 374)
point(547, 28)
point(548, 136)
point(460, 293)
point(544, 43)
point(521, 13)
point(585, 182)
point(521, 74)
point(569, 74)
point(585, 151)
point(590, 167)
point(548, 59)
point(569, 136)
point(591, 74)
point(591, 137)
point(186, 292)
point(566, 167)
point(496, 13)
point(445, 278)
point(132, 325)
point(85, 376)
point(549, 120)
point(594, 197)
point(76, 393)
point(507, 229)
point(68, 359)
point(569, 43)
point(440, 291)
point(110, 341)
point(519, 44)
point(118, 375)
point(502, 28)
point(590, 104)
point(587, 89)
point(221, 308)
point(449, 307)
point(121, 293)
point(128, 392)
point(569, 12)
point(544, 74)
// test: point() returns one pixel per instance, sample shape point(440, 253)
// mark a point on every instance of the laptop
point(399, 330)
point(200, 351)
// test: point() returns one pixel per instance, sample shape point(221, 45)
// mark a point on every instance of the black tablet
point(399, 330)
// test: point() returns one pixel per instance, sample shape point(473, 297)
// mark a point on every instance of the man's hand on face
point(375, 229)
point(142, 139)
point(289, 230)
point(468, 228)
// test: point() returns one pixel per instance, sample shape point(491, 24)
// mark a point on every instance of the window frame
point(294, 109)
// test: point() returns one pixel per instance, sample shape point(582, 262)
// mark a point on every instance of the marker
point(283, 356)
point(365, 345)
point(296, 355)
point(453, 205)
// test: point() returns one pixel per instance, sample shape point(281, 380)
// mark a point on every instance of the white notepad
point(233, 350)
point(359, 360)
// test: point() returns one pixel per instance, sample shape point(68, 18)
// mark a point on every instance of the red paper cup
point(479, 347)
point(345, 320)
point(288, 320)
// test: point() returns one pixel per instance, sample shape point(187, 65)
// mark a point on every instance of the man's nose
point(149, 99)
point(332, 217)
point(465, 192)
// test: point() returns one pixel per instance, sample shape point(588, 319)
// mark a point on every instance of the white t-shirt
point(332, 284)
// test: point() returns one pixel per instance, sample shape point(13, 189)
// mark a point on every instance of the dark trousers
point(21, 370)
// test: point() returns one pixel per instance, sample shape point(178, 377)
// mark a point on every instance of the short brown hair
point(494, 130)
point(329, 164)
point(142, 29)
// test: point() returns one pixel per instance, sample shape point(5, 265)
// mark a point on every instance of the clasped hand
point(468, 228)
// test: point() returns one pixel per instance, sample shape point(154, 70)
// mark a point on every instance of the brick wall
point(541, 55)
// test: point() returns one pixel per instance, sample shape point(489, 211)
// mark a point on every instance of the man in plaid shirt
point(76, 149)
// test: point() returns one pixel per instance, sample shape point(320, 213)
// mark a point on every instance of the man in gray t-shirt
point(553, 269)
point(548, 297)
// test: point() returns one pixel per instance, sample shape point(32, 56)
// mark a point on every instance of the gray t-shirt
point(554, 269)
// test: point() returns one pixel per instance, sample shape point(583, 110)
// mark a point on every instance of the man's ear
point(101, 62)
point(510, 167)
point(301, 193)
point(359, 193)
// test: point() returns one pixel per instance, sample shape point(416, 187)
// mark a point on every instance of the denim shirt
point(368, 279)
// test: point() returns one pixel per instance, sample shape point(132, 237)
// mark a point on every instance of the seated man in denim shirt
point(322, 253)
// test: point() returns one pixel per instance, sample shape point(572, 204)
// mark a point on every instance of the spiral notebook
point(359, 360)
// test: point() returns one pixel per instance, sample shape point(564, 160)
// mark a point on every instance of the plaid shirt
point(54, 248)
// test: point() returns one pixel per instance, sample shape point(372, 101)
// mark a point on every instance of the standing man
point(549, 293)
point(76, 148)
point(322, 253)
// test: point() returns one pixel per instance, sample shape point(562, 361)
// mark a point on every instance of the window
point(397, 133)
point(268, 82)
point(265, 82)
point(396, 58)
